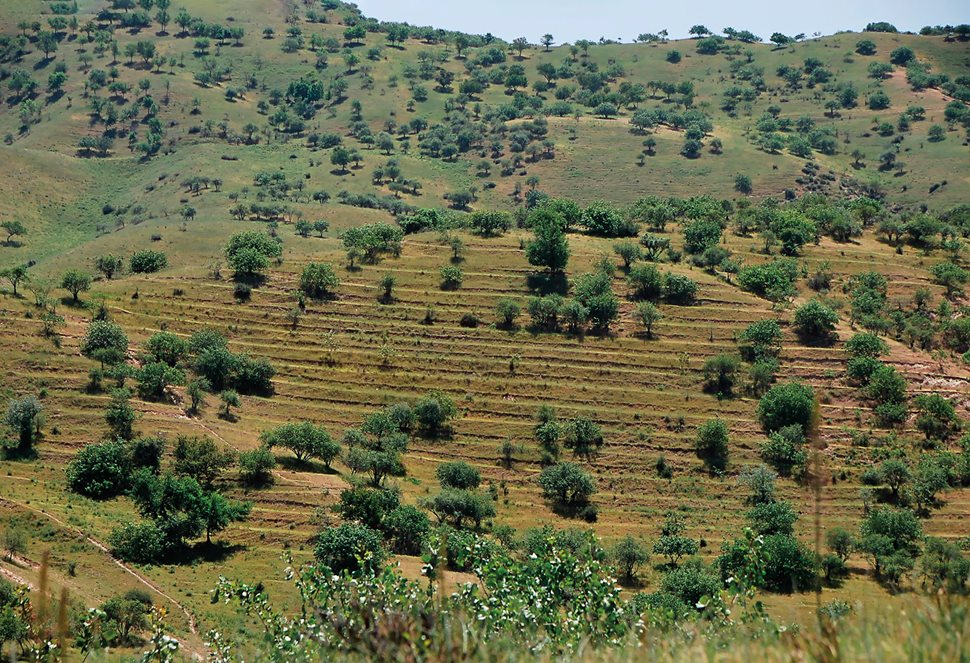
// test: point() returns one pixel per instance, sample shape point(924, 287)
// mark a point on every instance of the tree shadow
point(252, 280)
point(294, 465)
point(214, 551)
point(12, 451)
point(548, 283)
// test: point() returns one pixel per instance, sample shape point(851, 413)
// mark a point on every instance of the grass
point(626, 383)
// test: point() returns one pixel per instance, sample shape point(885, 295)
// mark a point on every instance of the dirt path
point(193, 627)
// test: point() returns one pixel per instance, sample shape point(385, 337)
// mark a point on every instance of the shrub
point(139, 543)
point(792, 403)
point(166, 347)
point(319, 280)
point(690, 583)
point(760, 339)
point(783, 449)
point(815, 322)
point(100, 470)
point(350, 548)
point(679, 289)
point(508, 310)
point(866, 344)
point(458, 475)
point(200, 459)
point(406, 527)
point(645, 281)
point(434, 412)
point(719, 374)
point(489, 223)
point(105, 341)
point(452, 277)
point(148, 262)
point(566, 484)
point(256, 467)
point(711, 444)
point(605, 220)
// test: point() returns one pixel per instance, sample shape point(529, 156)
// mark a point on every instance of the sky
point(569, 20)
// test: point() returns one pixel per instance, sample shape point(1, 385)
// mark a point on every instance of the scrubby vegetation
point(488, 339)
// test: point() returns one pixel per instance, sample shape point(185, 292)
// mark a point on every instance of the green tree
point(305, 440)
point(218, 512)
point(549, 247)
point(155, 378)
point(248, 252)
point(792, 403)
point(24, 418)
point(76, 282)
point(120, 415)
point(815, 322)
point(13, 228)
point(108, 265)
point(256, 467)
point(100, 470)
point(434, 413)
point(936, 417)
point(319, 280)
point(566, 484)
point(350, 548)
point(459, 475)
point(105, 341)
point(166, 347)
point(15, 275)
point(629, 554)
point(508, 310)
point(201, 459)
point(720, 373)
point(647, 315)
point(951, 276)
point(711, 444)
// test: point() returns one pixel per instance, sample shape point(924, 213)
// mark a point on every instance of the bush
point(452, 277)
point(605, 220)
point(406, 527)
point(489, 223)
point(256, 467)
point(760, 339)
point(154, 379)
point(645, 281)
point(815, 322)
point(166, 347)
point(458, 475)
point(690, 583)
point(783, 449)
point(789, 404)
point(567, 484)
point(455, 506)
point(865, 344)
point(100, 470)
point(350, 548)
point(711, 444)
point(773, 280)
point(508, 310)
point(719, 374)
point(434, 412)
point(139, 543)
point(679, 289)
point(148, 262)
point(319, 280)
point(105, 341)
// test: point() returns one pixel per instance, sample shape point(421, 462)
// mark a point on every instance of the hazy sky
point(569, 20)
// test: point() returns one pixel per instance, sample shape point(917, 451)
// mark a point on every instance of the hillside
point(264, 115)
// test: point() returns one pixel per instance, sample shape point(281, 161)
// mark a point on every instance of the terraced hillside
point(339, 360)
